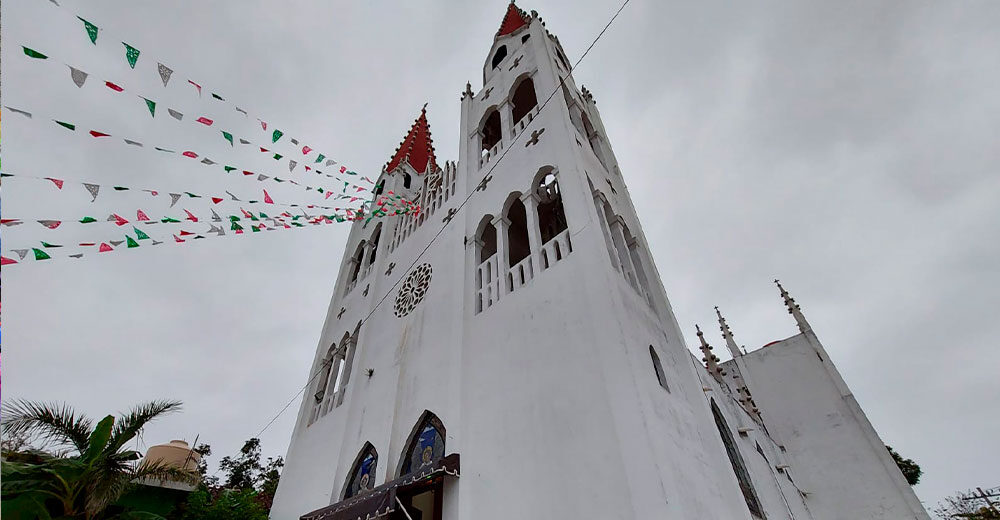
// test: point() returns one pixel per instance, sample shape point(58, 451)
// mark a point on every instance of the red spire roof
point(417, 147)
point(513, 20)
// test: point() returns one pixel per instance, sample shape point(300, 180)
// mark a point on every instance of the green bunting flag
point(320, 157)
point(229, 137)
point(87, 220)
point(130, 242)
point(131, 54)
point(236, 227)
point(166, 220)
point(91, 30)
point(139, 234)
point(40, 255)
point(31, 53)
point(152, 106)
point(274, 137)
point(277, 157)
point(228, 168)
point(66, 125)
point(216, 96)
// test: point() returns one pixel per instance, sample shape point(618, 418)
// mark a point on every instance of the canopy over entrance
point(381, 501)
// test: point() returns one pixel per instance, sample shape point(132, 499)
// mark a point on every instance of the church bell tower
point(525, 361)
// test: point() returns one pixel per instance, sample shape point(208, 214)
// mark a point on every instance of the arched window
point(658, 368)
point(362, 476)
point(525, 38)
point(523, 99)
point(425, 446)
point(499, 56)
point(518, 247)
point(359, 255)
point(634, 253)
point(375, 239)
point(739, 467)
point(488, 237)
point(491, 130)
point(406, 180)
point(379, 187)
point(551, 217)
point(324, 376)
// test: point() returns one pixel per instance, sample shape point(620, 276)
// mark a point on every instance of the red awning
point(381, 501)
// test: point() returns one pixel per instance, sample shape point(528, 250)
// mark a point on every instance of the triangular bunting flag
point(204, 120)
point(228, 136)
point(276, 135)
point(79, 76)
point(262, 177)
point(306, 150)
point(228, 168)
point(134, 143)
point(320, 157)
point(131, 54)
point(32, 53)
point(278, 156)
point(216, 200)
point(104, 248)
point(76, 255)
point(215, 216)
point(174, 197)
point(267, 198)
point(116, 243)
point(95, 133)
point(169, 220)
point(22, 112)
point(244, 112)
point(216, 96)
point(190, 216)
point(152, 106)
point(91, 30)
point(207, 161)
point(7, 261)
point(130, 243)
point(165, 73)
point(197, 86)
point(39, 254)
point(21, 253)
point(87, 220)
point(295, 141)
point(231, 195)
point(57, 182)
point(175, 114)
point(113, 86)
point(244, 141)
point(263, 124)
point(51, 224)
point(93, 189)
point(291, 165)
point(46, 244)
point(190, 154)
point(139, 234)
point(141, 216)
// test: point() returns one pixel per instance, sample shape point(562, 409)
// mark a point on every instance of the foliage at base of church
point(911, 470)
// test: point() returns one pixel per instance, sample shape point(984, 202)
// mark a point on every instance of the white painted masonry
point(546, 386)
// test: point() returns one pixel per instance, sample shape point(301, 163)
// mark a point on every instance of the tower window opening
point(517, 233)
point(426, 444)
point(524, 99)
point(551, 216)
point(488, 238)
point(375, 239)
point(562, 59)
point(406, 180)
point(491, 130)
point(525, 38)
point(499, 56)
point(362, 475)
point(356, 261)
point(739, 467)
point(324, 375)
point(379, 187)
point(658, 368)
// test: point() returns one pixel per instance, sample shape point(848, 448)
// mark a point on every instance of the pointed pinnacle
point(727, 334)
point(793, 309)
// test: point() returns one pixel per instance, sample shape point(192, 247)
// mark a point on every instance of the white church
point(529, 366)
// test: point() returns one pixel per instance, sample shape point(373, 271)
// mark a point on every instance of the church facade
point(526, 362)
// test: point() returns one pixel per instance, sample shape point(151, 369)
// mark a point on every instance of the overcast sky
point(849, 148)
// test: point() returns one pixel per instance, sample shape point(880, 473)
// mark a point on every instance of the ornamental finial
point(727, 334)
point(794, 309)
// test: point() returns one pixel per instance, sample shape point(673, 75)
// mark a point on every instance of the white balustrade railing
point(523, 123)
point(491, 153)
point(520, 274)
point(556, 249)
point(487, 283)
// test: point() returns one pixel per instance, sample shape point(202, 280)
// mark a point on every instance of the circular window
point(413, 290)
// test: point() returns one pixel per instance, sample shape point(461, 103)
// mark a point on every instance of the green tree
point(90, 469)
point(204, 504)
point(911, 470)
point(968, 505)
point(246, 481)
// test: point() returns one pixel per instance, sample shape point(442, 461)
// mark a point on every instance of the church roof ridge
point(417, 148)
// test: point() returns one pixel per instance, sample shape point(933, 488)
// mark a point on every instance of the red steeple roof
point(513, 20)
point(417, 147)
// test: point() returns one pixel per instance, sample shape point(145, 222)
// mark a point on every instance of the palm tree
point(92, 468)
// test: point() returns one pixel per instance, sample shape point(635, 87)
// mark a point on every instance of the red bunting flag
point(190, 217)
point(104, 248)
point(197, 86)
point(51, 224)
point(57, 182)
point(263, 124)
point(343, 169)
point(246, 214)
point(185, 233)
point(140, 216)
point(190, 154)
point(216, 200)
point(328, 194)
point(177, 239)
point(263, 149)
point(308, 169)
point(306, 150)
point(246, 172)
point(112, 86)
point(205, 121)
point(7, 261)
point(267, 198)
point(119, 220)
point(359, 188)
point(95, 133)
point(88, 244)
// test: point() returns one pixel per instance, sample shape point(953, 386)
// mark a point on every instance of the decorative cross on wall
point(341, 313)
point(517, 60)
point(451, 215)
point(365, 293)
point(612, 186)
point(389, 270)
point(486, 95)
point(484, 182)
point(535, 134)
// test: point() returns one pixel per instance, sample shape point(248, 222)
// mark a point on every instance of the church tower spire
point(794, 309)
point(728, 335)
point(710, 359)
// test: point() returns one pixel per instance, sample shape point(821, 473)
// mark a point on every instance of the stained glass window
point(426, 446)
point(363, 474)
